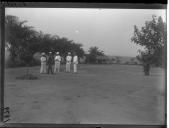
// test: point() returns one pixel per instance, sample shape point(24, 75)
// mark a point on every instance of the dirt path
point(97, 94)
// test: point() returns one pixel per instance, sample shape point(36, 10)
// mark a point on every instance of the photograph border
point(68, 5)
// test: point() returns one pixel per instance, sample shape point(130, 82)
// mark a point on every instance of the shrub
point(27, 77)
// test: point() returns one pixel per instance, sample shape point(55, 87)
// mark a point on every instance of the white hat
point(57, 53)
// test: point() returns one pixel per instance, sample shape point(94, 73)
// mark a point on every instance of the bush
point(135, 63)
point(127, 62)
point(27, 77)
point(34, 63)
point(18, 63)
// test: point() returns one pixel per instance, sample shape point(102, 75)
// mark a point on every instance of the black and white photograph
point(85, 65)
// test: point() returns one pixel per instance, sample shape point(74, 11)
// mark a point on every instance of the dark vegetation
point(153, 37)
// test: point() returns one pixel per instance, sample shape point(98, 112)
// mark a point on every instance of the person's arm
point(53, 61)
point(66, 58)
point(77, 60)
point(56, 58)
point(59, 58)
point(71, 58)
point(47, 60)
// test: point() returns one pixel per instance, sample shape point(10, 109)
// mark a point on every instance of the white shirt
point(75, 59)
point(68, 58)
point(58, 58)
point(43, 59)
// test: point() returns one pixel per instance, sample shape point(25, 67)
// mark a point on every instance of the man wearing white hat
point(75, 62)
point(68, 62)
point(57, 62)
point(43, 63)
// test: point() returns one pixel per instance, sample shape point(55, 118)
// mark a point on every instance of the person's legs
point(58, 66)
point(55, 67)
point(48, 69)
point(75, 68)
point(41, 68)
point(45, 70)
point(66, 67)
point(51, 70)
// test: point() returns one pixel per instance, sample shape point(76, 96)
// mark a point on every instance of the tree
point(23, 42)
point(153, 37)
point(118, 61)
point(132, 59)
point(113, 60)
point(64, 45)
point(93, 53)
point(19, 38)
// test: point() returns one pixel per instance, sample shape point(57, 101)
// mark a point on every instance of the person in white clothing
point(57, 62)
point(43, 63)
point(75, 63)
point(68, 62)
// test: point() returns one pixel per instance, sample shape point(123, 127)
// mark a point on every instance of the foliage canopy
point(153, 37)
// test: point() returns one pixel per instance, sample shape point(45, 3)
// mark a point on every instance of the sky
point(109, 29)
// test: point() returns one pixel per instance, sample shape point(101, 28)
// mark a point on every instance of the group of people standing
point(47, 63)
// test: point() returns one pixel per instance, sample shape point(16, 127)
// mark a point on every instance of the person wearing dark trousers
point(50, 63)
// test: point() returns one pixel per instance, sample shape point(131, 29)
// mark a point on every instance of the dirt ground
point(111, 94)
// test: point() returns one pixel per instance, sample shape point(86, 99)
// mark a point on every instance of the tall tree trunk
point(146, 69)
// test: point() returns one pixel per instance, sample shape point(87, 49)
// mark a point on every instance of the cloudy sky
point(109, 29)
